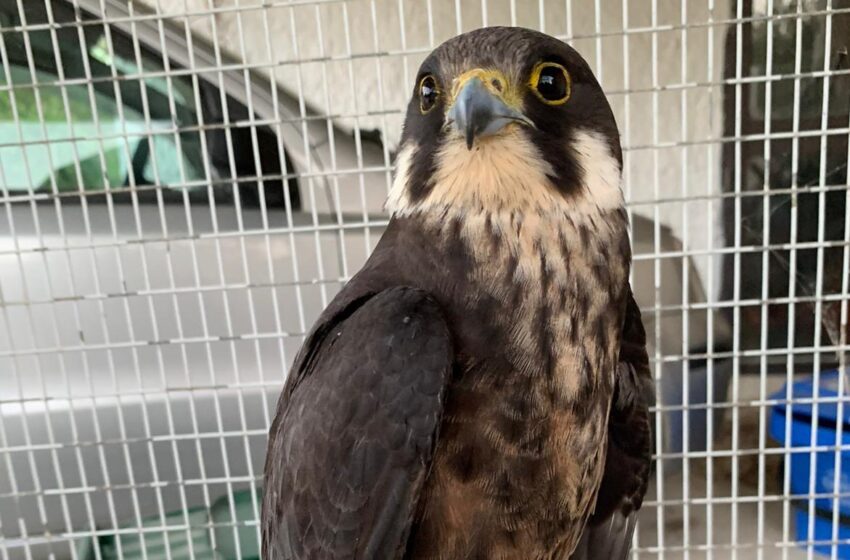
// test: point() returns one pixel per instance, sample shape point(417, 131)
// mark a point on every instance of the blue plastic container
point(822, 531)
point(824, 463)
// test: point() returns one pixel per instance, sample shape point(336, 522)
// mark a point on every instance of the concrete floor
point(749, 540)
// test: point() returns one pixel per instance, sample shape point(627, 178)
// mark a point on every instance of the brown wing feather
point(608, 533)
point(355, 430)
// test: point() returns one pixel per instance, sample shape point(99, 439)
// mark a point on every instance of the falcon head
point(506, 119)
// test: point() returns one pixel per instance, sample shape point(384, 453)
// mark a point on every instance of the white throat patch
point(508, 174)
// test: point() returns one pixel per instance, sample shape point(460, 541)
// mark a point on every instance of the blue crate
point(822, 532)
point(824, 463)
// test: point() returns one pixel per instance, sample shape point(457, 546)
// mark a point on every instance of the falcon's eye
point(428, 93)
point(551, 82)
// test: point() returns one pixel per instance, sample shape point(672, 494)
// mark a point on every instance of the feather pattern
point(350, 447)
point(608, 534)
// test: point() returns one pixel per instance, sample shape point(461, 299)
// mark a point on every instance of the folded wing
point(355, 431)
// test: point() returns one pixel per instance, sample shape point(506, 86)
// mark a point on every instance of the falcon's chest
point(532, 280)
point(547, 288)
point(522, 444)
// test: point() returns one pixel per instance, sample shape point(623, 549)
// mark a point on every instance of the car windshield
point(128, 125)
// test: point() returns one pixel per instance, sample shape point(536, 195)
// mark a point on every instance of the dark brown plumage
point(478, 389)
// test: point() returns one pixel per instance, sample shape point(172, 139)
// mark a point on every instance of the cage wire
point(185, 184)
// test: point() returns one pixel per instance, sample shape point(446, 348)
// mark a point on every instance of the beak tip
point(470, 139)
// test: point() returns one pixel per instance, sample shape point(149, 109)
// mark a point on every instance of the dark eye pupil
point(552, 84)
point(428, 93)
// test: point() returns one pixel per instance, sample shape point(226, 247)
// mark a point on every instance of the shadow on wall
point(794, 186)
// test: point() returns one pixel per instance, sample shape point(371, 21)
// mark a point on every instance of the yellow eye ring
point(428, 91)
point(551, 83)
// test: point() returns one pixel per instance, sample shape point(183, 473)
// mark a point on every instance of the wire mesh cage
point(186, 183)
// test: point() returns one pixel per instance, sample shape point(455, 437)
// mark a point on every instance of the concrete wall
point(330, 53)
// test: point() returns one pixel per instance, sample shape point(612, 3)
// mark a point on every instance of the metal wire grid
point(147, 325)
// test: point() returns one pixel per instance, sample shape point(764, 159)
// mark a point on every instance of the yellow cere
point(495, 82)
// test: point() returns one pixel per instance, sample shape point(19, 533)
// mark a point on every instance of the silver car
point(172, 225)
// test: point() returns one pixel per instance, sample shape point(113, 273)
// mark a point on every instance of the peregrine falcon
point(479, 389)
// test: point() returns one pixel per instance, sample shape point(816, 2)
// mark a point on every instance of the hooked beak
point(478, 112)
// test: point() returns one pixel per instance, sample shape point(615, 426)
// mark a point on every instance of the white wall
point(654, 124)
